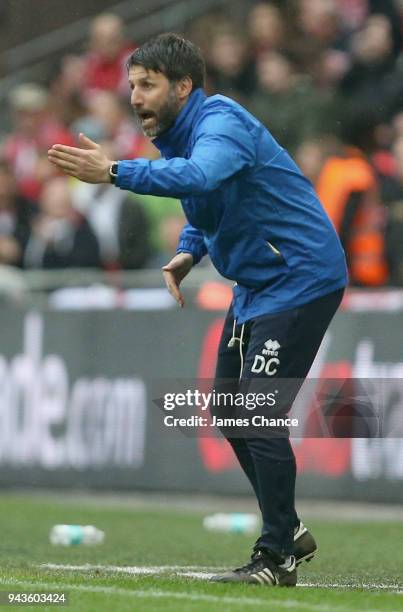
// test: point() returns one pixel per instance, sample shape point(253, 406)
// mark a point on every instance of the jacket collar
point(174, 142)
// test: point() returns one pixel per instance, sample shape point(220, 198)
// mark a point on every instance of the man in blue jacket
point(258, 218)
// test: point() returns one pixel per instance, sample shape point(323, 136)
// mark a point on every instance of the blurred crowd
point(326, 78)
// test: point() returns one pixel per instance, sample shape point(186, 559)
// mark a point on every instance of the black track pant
point(274, 346)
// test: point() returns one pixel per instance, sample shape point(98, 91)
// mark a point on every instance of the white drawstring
point(231, 343)
point(234, 339)
point(241, 349)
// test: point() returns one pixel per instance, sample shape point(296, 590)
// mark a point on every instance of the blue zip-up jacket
point(247, 204)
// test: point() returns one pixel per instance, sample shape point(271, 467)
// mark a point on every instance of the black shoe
point(265, 569)
point(304, 544)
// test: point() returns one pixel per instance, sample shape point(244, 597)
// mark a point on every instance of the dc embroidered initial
point(271, 348)
point(260, 364)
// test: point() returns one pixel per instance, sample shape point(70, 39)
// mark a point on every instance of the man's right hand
point(174, 272)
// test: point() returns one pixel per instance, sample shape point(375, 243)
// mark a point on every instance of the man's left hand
point(89, 163)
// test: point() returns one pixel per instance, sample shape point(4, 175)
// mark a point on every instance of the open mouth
point(146, 117)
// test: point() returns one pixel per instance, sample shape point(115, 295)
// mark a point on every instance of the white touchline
point(138, 569)
point(157, 594)
point(204, 573)
point(355, 585)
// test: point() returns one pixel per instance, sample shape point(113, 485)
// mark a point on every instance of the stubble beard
point(166, 116)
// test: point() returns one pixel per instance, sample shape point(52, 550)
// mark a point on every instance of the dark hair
point(172, 55)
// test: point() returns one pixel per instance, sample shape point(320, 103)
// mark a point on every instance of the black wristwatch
point(113, 172)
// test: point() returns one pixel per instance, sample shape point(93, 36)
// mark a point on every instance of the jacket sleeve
point(223, 147)
point(191, 241)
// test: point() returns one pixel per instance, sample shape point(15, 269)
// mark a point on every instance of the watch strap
point(113, 172)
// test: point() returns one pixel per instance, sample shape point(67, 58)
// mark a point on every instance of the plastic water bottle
point(70, 535)
point(235, 522)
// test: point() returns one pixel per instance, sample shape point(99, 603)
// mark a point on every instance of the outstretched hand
point(88, 163)
point(174, 272)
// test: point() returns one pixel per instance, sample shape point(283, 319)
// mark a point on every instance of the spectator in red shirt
point(34, 132)
point(105, 63)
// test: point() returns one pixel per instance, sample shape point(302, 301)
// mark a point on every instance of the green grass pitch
point(154, 558)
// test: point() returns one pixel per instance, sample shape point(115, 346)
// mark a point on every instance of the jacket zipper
point(273, 248)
